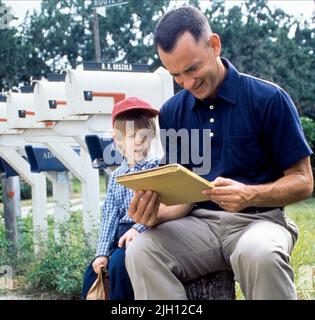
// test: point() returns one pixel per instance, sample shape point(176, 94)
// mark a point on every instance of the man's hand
point(230, 195)
point(98, 263)
point(127, 237)
point(144, 208)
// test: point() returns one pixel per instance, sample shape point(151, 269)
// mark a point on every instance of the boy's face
point(134, 143)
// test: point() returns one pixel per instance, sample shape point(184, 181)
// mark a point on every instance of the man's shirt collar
point(228, 89)
point(124, 167)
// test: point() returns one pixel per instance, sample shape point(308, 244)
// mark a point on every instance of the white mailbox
point(20, 110)
point(96, 91)
point(50, 100)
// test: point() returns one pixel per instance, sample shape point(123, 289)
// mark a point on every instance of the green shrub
point(4, 245)
point(20, 258)
point(60, 269)
point(26, 191)
point(75, 185)
point(61, 265)
point(309, 130)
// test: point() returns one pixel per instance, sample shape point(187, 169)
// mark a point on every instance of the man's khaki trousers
point(255, 246)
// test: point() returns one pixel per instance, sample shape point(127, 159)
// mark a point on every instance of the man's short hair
point(176, 22)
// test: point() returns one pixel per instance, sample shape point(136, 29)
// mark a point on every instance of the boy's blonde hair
point(140, 118)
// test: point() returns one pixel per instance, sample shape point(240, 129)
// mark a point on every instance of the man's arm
point(294, 186)
point(145, 208)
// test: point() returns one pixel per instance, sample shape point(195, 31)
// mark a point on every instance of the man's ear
point(214, 43)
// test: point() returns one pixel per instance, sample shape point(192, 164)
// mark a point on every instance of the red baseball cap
point(132, 103)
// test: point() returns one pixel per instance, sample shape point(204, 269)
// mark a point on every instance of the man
point(260, 162)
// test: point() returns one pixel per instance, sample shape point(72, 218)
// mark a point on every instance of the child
point(134, 128)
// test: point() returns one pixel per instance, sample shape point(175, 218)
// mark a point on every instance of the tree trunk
point(214, 286)
point(96, 37)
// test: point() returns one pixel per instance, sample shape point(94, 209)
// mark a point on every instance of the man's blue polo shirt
point(255, 133)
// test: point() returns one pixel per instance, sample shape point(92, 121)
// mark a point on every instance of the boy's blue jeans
point(120, 286)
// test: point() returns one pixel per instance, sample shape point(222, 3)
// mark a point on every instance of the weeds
point(59, 267)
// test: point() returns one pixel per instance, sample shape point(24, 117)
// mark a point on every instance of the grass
point(303, 254)
point(76, 185)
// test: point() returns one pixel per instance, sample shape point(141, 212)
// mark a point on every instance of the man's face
point(194, 65)
point(134, 143)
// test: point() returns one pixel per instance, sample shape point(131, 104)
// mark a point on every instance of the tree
point(304, 80)
point(59, 36)
point(130, 38)
point(10, 51)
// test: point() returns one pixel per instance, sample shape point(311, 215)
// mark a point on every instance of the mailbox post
point(12, 151)
point(42, 160)
point(11, 201)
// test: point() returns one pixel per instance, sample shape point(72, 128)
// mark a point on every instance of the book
point(174, 183)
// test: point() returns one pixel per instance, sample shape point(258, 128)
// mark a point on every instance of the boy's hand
point(127, 237)
point(99, 262)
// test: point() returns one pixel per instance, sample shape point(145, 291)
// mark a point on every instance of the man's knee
point(133, 248)
point(258, 255)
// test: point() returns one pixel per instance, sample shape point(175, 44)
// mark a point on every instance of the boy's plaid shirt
point(116, 204)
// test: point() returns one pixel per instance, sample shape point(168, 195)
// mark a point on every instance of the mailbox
point(50, 99)
point(102, 152)
point(41, 159)
point(92, 91)
point(20, 110)
point(6, 170)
